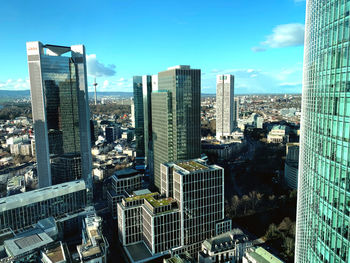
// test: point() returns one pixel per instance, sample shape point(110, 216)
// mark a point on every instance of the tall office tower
point(199, 189)
point(60, 109)
point(235, 112)
point(224, 105)
point(176, 117)
point(323, 206)
point(139, 117)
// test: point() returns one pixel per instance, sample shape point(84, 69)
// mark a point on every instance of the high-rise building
point(224, 105)
point(199, 189)
point(235, 112)
point(60, 108)
point(139, 117)
point(323, 207)
point(176, 117)
point(291, 165)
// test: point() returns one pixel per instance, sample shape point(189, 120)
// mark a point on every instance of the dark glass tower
point(176, 117)
point(323, 208)
point(60, 112)
point(139, 116)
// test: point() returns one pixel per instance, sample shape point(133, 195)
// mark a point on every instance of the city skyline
point(114, 57)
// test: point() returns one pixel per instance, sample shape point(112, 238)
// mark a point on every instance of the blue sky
point(260, 42)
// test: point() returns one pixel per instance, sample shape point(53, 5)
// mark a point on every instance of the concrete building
point(113, 133)
point(199, 189)
point(176, 117)
point(60, 107)
point(259, 255)
point(278, 134)
point(94, 247)
point(121, 182)
point(235, 112)
point(291, 165)
point(226, 247)
point(22, 210)
point(224, 105)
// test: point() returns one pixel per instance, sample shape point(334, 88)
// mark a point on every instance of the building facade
point(139, 117)
point(323, 207)
point(225, 110)
point(60, 107)
point(22, 210)
point(176, 117)
point(291, 165)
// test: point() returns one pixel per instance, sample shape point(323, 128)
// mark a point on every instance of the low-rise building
point(227, 247)
point(260, 255)
point(94, 247)
point(291, 165)
point(278, 134)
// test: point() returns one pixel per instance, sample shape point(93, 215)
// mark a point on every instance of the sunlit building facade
point(58, 84)
point(323, 207)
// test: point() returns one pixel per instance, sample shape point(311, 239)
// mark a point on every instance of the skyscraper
point(176, 117)
point(60, 110)
point(224, 105)
point(323, 207)
point(139, 117)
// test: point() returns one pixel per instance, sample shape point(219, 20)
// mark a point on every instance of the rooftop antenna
point(95, 85)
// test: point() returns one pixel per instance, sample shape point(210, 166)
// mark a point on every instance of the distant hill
point(8, 94)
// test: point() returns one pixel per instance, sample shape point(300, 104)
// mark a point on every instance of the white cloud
point(286, 35)
point(98, 69)
point(15, 84)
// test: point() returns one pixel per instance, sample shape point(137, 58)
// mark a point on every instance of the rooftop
point(191, 166)
point(140, 197)
point(56, 253)
point(26, 198)
point(225, 240)
point(263, 256)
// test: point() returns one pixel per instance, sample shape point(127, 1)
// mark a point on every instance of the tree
point(235, 204)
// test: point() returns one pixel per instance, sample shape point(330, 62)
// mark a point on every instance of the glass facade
point(60, 112)
point(176, 117)
point(139, 117)
point(324, 182)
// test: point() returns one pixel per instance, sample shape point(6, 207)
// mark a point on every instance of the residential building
point(291, 165)
point(176, 117)
point(224, 105)
point(226, 247)
point(323, 206)
point(60, 107)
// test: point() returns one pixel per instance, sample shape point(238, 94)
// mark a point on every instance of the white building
point(224, 105)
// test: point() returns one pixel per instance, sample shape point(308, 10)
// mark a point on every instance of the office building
point(291, 165)
point(22, 210)
point(226, 247)
point(200, 209)
point(259, 255)
point(176, 117)
point(235, 112)
point(60, 108)
point(323, 207)
point(139, 117)
point(225, 110)
point(121, 182)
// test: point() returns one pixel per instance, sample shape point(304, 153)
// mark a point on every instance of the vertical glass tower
point(60, 109)
point(176, 117)
point(323, 207)
point(139, 117)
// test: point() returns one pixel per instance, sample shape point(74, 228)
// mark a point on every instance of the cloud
point(258, 49)
point(286, 35)
point(97, 69)
point(15, 84)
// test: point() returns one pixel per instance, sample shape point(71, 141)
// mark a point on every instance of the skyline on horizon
point(267, 60)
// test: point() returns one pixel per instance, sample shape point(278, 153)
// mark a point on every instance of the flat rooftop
point(139, 253)
point(56, 253)
point(140, 197)
point(191, 166)
point(261, 255)
point(27, 198)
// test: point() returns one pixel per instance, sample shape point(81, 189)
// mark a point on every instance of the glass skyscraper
point(60, 109)
point(323, 208)
point(176, 117)
point(139, 116)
